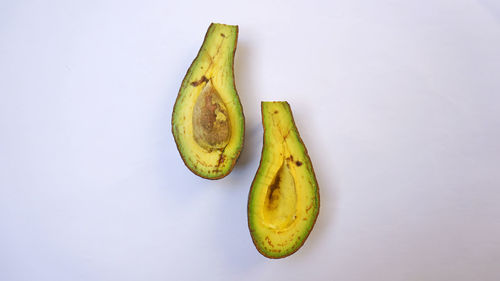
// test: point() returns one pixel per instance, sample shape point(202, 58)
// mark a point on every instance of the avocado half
point(207, 121)
point(283, 203)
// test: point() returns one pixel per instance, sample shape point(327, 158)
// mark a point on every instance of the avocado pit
point(211, 126)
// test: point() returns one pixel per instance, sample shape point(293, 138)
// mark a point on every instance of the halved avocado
point(283, 203)
point(207, 121)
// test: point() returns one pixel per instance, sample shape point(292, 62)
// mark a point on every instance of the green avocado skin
point(269, 243)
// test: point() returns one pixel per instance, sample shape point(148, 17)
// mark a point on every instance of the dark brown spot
point(223, 35)
point(275, 112)
point(273, 192)
point(221, 159)
point(309, 208)
point(203, 79)
point(298, 163)
point(269, 241)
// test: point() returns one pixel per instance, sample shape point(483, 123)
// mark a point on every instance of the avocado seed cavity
point(280, 204)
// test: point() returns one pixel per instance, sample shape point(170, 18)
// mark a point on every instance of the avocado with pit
point(207, 121)
point(283, 203)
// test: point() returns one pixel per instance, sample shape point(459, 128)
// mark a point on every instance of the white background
point(398, 103)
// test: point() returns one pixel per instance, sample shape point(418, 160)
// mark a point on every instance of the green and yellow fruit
point(283, 203)
point(207, 122)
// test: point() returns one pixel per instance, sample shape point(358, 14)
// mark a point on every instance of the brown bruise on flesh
point(211, 124)
point(273, 194)
point(202, 80)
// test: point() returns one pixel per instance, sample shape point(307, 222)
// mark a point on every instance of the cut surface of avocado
point(207, 121)
point(283, 203)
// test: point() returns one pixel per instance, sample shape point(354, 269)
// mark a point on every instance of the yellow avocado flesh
point(207, 121)
point(284, 198)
